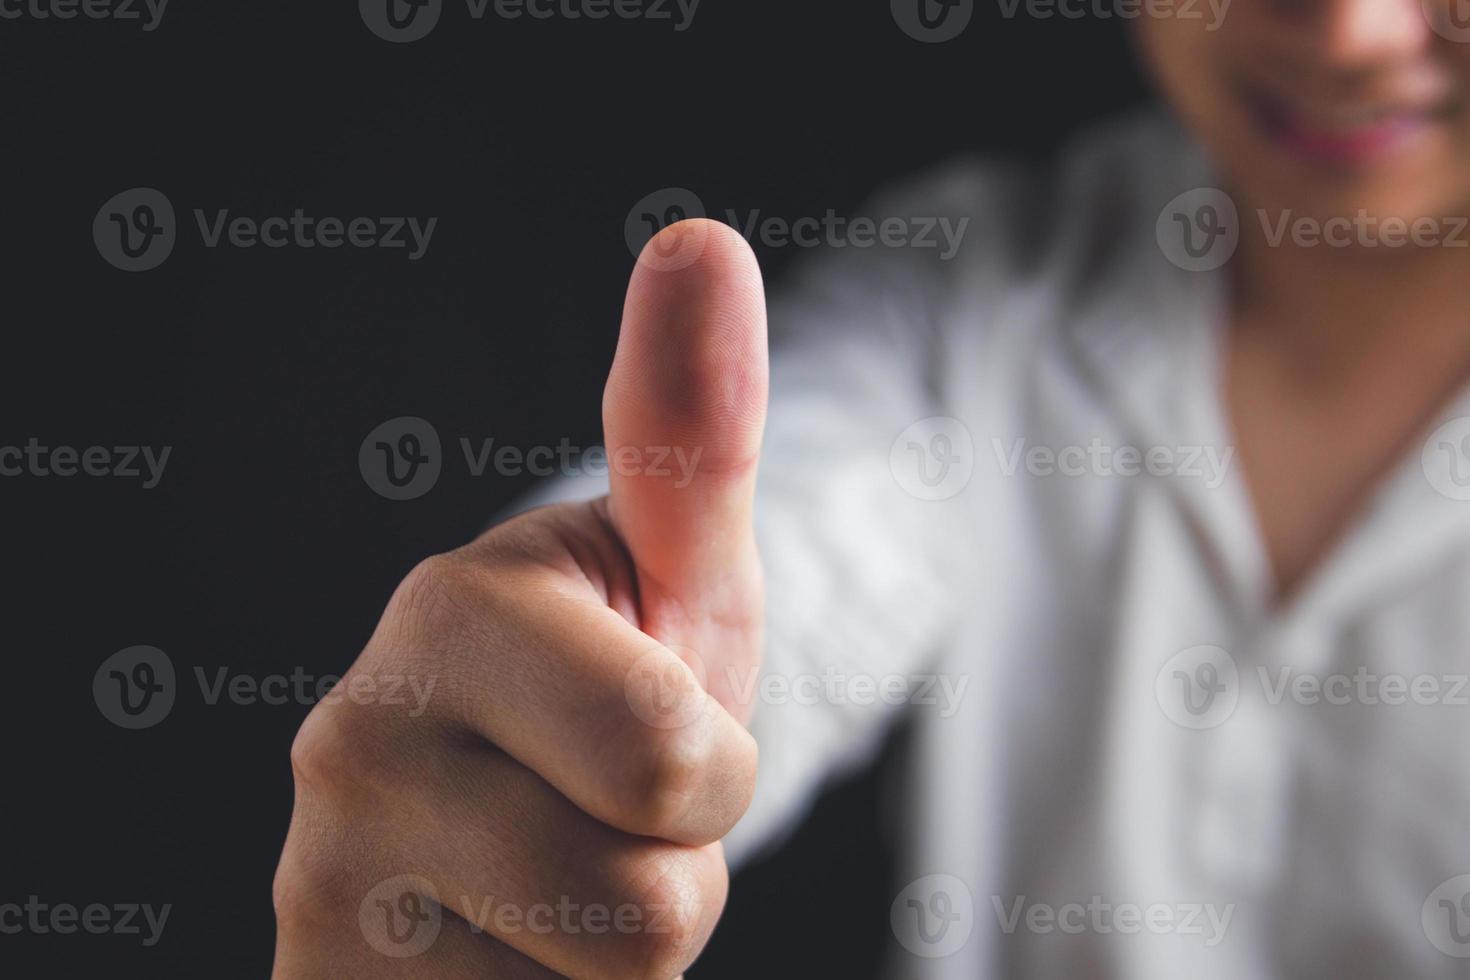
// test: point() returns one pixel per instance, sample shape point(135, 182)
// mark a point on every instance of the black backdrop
point(262, 549)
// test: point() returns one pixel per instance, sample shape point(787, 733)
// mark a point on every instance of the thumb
point(688, 384)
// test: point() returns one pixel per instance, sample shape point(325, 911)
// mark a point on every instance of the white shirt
point(1049, 618)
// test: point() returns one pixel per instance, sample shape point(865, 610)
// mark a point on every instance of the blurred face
point(1327, 106)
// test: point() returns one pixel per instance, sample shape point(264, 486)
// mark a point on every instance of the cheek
point(1189, 67)
point(1458, 57)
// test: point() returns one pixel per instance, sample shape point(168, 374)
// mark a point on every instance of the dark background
point(263, 549)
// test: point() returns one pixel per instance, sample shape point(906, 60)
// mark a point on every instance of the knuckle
point(738, 765)
point(336, 750)
point(689, 784)
point(307, 889)
point(680, 893)
point(670, 771)
point(315, 752)
point(435, 596)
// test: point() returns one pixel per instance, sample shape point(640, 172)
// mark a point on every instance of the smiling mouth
point(1347, 133)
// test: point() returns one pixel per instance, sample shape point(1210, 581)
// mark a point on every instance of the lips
point(1346, 133)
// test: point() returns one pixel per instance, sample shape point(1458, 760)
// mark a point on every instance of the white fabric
point(1321, 829)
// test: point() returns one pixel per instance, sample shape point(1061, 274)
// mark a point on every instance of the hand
point(556, 809)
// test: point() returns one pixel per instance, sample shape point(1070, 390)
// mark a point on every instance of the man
point(1148, 507)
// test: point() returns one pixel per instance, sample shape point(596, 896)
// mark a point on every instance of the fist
point(554, 808)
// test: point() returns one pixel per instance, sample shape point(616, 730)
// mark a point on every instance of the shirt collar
point(1151, 335)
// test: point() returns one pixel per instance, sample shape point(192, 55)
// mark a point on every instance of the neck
point(1331, 312)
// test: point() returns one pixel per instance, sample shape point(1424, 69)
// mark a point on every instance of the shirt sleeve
point(862, 572)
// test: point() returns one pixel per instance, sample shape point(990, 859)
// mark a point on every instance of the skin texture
point(1337, 358)
point(570, 754)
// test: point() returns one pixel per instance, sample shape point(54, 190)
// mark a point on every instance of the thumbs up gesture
point(553, 807)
